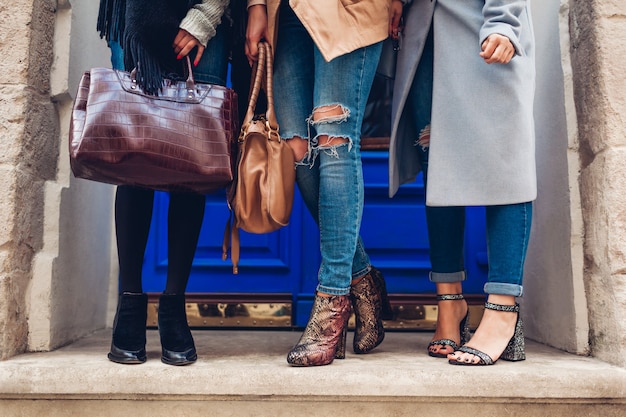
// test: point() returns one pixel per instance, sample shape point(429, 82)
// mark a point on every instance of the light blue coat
point(482, 147)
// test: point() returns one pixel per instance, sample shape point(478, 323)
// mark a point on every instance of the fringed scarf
point(146, 30)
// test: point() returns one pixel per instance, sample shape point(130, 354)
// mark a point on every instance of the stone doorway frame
point(57, 252)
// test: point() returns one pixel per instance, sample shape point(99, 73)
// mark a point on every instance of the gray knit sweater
point(202, 19)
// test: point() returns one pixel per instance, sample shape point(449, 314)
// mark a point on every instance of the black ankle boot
point(176, 341)
point(128, 345)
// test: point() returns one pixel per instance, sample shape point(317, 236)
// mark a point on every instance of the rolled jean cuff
point(447, 276)
point(501, 288)
point(333, 291)
point(361, 273)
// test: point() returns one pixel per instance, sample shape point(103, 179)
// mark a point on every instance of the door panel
point(283, 265)
point(286, 262)
point(269, 263)
point(394, 230)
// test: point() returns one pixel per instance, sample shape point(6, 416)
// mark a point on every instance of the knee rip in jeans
point(325, 115)
point(423, 140)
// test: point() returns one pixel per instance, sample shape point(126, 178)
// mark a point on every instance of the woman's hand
point(184, 42)
point(497, 49)
point(395, 16)
point(256, 31)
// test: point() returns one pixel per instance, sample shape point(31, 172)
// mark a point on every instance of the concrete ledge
point(245, 373)
point(280, 407)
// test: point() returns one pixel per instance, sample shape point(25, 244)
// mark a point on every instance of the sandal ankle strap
point(444, 297)
point(500, 307)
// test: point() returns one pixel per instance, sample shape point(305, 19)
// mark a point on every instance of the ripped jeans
point(508, 226)
point(330, 176)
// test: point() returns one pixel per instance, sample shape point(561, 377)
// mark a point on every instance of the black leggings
point(133, 215)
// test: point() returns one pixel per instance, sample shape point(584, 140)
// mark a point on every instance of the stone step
point(244, 373)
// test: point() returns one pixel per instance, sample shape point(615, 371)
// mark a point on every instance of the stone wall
point(55, 238)
point(554, 303)
point(29, 132)
point(72, 273)
point(598, 29)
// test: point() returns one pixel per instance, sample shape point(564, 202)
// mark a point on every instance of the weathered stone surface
point(40, 143)
point(608, 328)
point(610, 44)
point(7, 207)
point(68, 224)
point(600, 256)
point(589, 90)
point(244, 373)
point(19, 239)
point(603, 183)
point(15, 21)
point(40, 47)
point(597, 30)
point(13, 104)
point(29, 154)
point(613, 191)
point(13, 320)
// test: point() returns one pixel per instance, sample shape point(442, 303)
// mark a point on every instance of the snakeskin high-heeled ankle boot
point(324, 337)
point(367, 303)
point(379, 280)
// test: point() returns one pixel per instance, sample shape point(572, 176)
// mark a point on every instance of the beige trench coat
point(336, 26)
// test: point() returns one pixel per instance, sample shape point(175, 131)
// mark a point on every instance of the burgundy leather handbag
point(184, 139)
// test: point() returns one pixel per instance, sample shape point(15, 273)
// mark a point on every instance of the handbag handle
point(190, 82)
point(263, 67)
point(255, 87)
point(270, 114)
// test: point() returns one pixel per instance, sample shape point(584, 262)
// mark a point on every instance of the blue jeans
point(213, 66)
point(508, 226)
point(330, 177)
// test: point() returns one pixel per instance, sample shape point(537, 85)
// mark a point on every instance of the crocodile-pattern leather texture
point(324, 338)
point(182, 140)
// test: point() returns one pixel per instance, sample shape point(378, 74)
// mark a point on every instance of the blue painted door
point(286, 261)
